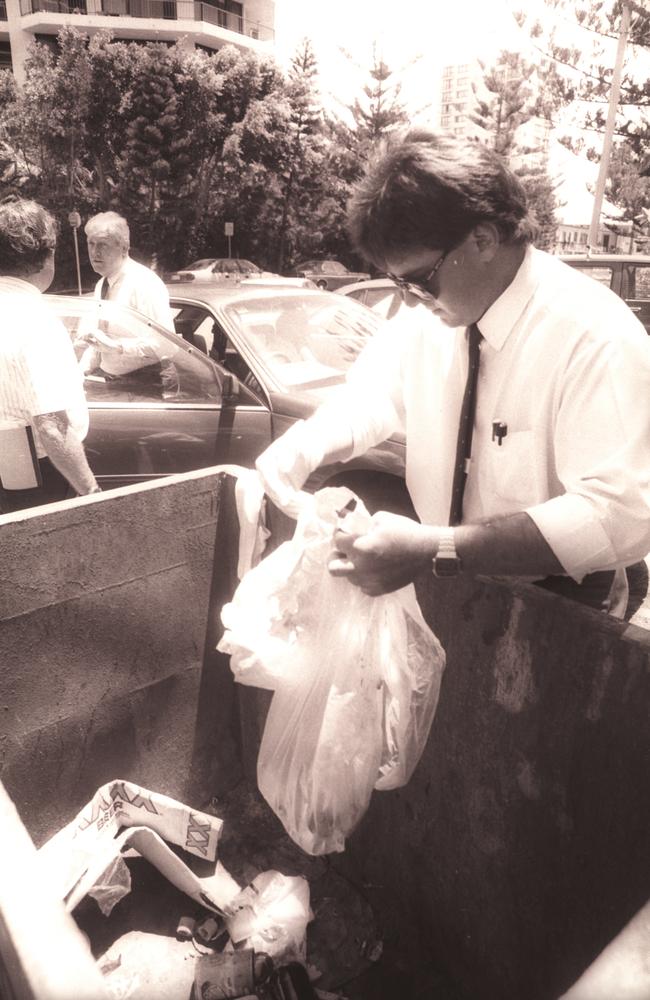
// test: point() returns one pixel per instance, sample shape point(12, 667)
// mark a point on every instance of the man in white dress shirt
point(125, 281)
point(557, 486)
point(43, 412)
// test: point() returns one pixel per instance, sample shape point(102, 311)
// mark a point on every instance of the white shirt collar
point(497, 323)
point(119, 273)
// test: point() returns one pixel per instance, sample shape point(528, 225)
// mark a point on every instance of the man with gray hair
point(43, 412)
point(128, 283)
point(123, 279)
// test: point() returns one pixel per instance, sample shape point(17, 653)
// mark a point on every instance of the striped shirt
point(38, 368)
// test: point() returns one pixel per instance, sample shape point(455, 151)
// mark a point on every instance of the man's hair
point(430, 190)
point(114, 224)
point(27, 236)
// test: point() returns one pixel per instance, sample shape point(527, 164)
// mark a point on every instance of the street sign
point(229, 229)
point(74, 219)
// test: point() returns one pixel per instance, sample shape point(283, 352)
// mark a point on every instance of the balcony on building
point(212, 24)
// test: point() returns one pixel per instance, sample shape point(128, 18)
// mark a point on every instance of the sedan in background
point(380, 294)
point(233, 270)
point(626, 274)
point(328, 274)
point(243, 365)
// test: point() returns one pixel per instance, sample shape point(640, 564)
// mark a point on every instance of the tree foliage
point(578, 38)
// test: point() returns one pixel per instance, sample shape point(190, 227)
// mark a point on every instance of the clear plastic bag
point(356, 680)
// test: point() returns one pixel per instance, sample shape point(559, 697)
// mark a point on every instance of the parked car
point(231, 270)
point(380, 294)
point(626, 274)
point(330, 274)
point(247, 363)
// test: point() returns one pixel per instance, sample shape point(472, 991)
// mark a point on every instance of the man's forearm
point(65, 450)
point(511, 545)
point(394, 550)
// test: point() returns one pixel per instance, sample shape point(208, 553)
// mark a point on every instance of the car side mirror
point(200, 342)
point(230, 387)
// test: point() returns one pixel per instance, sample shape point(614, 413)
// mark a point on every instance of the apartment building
point(458, 99)
point(208, 24)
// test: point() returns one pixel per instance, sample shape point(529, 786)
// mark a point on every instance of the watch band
point(446, 561)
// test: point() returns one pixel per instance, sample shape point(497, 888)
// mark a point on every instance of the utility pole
point(609, 127)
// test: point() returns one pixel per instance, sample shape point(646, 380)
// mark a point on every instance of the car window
point(333, 267)
point(636, 281)
point(196, 323)
point(129, 359)
point(198, 265)
point(226, 267)
point(599, 272)
point(247, 267)
point(304, 341)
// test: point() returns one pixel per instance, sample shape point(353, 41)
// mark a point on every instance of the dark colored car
point(330, 274)
point(626, 274)
point(246, 364)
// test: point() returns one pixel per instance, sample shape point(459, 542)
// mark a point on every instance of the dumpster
point(515, 854)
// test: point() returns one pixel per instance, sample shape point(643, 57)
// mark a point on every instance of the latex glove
point(286, 465)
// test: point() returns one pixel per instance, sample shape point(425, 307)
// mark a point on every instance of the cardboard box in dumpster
point(120, 816)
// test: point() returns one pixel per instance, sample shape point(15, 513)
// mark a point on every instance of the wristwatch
point(446, 561)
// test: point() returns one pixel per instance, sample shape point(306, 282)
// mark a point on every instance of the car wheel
point(321, 283)
point(378, 491)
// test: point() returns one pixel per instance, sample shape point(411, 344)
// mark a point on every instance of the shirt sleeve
point(372, 400)
point(54, 380)
point(602, 449)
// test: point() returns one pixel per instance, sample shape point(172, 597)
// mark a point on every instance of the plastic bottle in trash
point(230, 974)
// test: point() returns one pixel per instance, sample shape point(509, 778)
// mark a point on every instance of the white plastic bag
point(356, 680)
point(271, 915)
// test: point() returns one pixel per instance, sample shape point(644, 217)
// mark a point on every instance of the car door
point(150, 423)
point(635, 289)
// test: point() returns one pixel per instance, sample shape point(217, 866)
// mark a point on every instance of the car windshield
point(304, 342)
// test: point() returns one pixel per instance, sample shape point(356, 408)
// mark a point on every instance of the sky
point(427, 33)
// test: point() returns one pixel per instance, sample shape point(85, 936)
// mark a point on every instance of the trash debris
point(210, 931)
point(185, 929)
point(291, 982)
point(230, 974)
point(271, 914)
point(120, 816)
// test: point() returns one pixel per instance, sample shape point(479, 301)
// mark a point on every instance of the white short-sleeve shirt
point(38, 368)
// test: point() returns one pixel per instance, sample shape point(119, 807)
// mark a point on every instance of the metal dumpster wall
point(520, 846)
point(107, 661)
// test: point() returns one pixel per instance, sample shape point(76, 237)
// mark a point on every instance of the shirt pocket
point(511, 469)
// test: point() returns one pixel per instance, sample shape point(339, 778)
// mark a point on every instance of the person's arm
point(363, 413)
point(286, 464)
point(396, 549)
point(65, 450)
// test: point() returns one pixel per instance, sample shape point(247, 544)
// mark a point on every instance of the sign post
point(75, 221)
point(229, 231)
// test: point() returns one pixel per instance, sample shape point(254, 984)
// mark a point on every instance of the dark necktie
point(466, 426)
point(103, 294)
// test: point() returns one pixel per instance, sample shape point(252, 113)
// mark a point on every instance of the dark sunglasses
point(419, 287)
